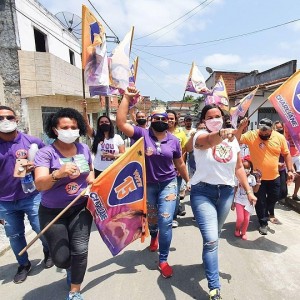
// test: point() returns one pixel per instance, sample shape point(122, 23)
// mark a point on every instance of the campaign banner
point(94, 54)
point(241, 109)
point(117, 200)
point(218, 95)
point(196, 81)
point(286, 101)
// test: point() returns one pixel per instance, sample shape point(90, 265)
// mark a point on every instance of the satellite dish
point(71, 22)
point(209, 70)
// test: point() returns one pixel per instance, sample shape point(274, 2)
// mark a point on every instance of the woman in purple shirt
point(63, 171)
point(163, 154)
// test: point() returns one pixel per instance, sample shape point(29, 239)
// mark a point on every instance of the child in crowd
point(241, 203)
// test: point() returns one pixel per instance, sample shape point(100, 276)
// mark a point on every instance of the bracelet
point(54, 178)
point(249, 192)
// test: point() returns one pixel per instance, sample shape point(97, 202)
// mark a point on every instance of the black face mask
point(105, 127)
point(141, 121)
point(264, 137)
point(159, 126)
point(280, 131)
point(228, 125)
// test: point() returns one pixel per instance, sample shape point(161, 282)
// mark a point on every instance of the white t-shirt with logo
point(241, 195)
point(108, 145)
point(215, 165)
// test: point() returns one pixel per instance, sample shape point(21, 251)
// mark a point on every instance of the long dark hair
point(206, 108)
point(170, 111)
point(99, 137)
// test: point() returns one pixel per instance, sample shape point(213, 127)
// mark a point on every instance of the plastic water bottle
point(27, 182)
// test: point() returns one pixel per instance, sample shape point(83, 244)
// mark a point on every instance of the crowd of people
point(221, 167)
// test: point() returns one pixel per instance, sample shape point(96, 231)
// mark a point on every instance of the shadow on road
point(261, 243)
point(185, 278)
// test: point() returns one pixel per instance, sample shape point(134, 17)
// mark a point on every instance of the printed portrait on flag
point(117, 200)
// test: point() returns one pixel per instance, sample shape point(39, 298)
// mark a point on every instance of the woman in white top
point(107, 146)
point(217, 158)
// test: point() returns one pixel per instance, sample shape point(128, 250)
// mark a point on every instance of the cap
point(188, 117)
point(159, 112)
point(265, 124)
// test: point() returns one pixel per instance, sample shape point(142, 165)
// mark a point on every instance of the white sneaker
point(174, 224)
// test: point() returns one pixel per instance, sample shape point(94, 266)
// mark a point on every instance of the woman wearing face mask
point(107, 146)
point(163, 154)
point(63, 170)
point(217, 160)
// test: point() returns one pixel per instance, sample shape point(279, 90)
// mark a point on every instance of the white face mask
point(68, 136)
point(214, 124)
point(7, 126)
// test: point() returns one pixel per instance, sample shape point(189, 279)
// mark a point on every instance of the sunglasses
point(158, 148)
point(164, 119)
point(9, 118)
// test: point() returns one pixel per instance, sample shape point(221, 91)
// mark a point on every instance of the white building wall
point(31, 14)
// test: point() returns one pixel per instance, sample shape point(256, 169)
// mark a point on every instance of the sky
point(225, 35)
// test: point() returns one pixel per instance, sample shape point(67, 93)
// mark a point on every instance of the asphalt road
point(264, 267)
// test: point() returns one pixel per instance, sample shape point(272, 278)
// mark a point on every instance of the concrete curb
point(295, 205)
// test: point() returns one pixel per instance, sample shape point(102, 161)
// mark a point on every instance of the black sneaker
point(22, 273)
point(181, 210)
point(263, 230)
point(48, 260)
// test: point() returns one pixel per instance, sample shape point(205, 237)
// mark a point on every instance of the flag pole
point(257, 108)
point(53, 221)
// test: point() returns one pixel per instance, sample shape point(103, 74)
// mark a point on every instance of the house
point(40, 65)
point(239, 84)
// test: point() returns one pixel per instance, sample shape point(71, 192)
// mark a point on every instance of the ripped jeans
point(211, 204)
point(161, 203)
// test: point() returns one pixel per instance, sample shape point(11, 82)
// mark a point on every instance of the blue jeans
point(161, 203)
point(211, 205)
point(13, 213)
point(179, 183)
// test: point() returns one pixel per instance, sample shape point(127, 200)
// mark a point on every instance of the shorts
point(296, 162)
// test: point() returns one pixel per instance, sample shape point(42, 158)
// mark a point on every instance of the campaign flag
point(119, 64)
point(133, 72)
point(196, 81)
point(94, 54)
point(117, 200)
point(241, 109)
point(218, 95)
point(286, 101)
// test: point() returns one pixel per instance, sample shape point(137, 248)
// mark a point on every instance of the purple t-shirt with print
point(11, 189)
point(158, 155)
point(65, 189)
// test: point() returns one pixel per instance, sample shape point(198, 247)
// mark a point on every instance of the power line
point(223, 39)
point(103, 20)
point(157, 83)
point(171, 22)
point(163, 34)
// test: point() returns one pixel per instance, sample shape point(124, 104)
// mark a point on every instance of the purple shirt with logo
point(65, 189)
point(159, 155)
point(11, 189)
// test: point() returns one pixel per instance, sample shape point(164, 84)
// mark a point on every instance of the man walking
point(265, 147)
point(14, 202)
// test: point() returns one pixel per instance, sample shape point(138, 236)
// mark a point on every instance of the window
point(72, 57)
point(40, 41)
point(46, 112)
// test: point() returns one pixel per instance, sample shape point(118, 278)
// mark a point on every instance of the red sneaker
point(165, 270)
point(154, 244)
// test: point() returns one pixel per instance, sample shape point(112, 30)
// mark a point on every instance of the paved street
point(264, 267)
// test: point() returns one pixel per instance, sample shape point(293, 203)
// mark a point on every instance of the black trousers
point(68, 238)
point(267, 196)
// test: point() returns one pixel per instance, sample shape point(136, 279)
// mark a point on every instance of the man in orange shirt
point(265, 146)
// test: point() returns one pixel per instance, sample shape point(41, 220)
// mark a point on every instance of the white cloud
point(221, 60)
point(262, 63)
point(164, 64)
